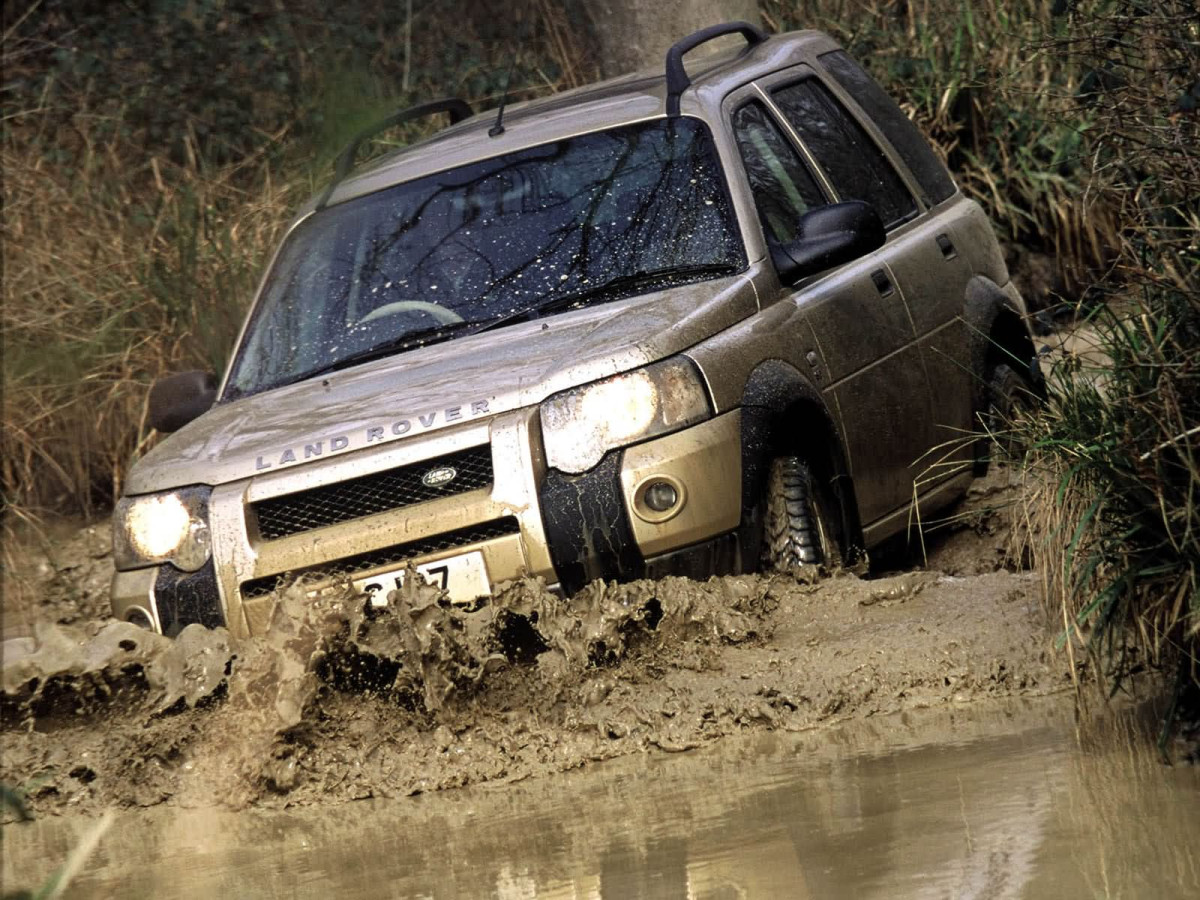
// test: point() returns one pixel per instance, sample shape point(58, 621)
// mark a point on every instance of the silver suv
point(675, 323)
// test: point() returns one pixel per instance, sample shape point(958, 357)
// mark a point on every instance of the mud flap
point(587, 527)
point(186, 598)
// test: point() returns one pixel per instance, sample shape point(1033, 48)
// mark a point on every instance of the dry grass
point(116, 270)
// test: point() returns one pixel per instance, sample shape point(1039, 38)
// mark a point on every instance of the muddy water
point(1011, 799)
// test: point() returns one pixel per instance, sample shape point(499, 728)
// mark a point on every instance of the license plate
point(463, 577)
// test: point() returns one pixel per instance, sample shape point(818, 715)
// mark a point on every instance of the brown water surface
point(995, 800)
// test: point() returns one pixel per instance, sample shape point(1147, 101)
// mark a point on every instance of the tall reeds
point(1115, 517)
point(151, 158)
point(117, 268)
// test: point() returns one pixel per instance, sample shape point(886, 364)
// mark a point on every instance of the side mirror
point(829, 236)
point(178, 399)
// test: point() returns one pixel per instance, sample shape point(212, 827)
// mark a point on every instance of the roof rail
point(677, 76)
point(458, 110)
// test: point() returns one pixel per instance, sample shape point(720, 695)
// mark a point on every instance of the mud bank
point(334, 705)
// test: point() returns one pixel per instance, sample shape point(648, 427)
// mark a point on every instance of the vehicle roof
point(619, 101)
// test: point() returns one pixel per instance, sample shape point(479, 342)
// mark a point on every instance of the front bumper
point(528, 520)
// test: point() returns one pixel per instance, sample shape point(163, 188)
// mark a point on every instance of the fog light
point(660, 496)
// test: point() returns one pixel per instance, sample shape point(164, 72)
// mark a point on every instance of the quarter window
point(783, 188)
point(856, 167)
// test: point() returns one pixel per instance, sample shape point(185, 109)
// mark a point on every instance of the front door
point(870, 367)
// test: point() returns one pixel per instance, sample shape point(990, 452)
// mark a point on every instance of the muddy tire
point(797, 528)
point(1009, 395)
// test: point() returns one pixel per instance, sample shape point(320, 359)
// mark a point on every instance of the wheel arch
point(783, 413)
point(997, 332)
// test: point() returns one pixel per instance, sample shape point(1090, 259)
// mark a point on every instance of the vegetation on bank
point(1116, 457)
point(151, 157)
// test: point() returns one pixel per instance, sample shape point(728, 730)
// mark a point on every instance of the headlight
point(159, 528)
point(580, 425)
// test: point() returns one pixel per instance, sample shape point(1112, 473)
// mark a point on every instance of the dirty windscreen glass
point(562, 225)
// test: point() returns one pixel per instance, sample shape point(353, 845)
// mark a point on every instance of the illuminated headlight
point(159, 528)
point(580, 425)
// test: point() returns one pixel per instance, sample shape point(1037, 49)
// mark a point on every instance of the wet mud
point(340, 703)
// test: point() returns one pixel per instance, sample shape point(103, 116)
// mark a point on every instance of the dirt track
point(332, 706)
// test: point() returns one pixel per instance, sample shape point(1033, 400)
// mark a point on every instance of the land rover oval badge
point(439, 476)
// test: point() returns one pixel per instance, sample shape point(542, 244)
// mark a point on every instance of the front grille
point(388, 556)
point(303, 511)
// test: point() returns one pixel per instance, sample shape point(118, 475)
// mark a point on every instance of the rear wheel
point(798, 527)
point(1009, 396)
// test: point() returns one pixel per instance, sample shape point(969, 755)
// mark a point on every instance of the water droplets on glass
point(489, 239)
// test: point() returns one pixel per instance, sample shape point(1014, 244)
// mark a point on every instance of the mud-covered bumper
point(517, 517)
point(600, 525)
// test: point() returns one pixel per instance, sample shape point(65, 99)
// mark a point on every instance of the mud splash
point(338, 702)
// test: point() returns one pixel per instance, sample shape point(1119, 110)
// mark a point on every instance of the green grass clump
point(1118, 455)
point(1116, 524)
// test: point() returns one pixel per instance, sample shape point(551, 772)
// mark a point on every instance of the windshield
point(639, 208)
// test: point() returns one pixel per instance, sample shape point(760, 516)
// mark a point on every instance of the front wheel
point(798, 529)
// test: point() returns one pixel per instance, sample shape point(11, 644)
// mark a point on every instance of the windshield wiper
point(414, 339)
point(387, 348)
point(619, 287)
point(623, 286)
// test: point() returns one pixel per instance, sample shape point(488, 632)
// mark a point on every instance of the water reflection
point(1006, 803)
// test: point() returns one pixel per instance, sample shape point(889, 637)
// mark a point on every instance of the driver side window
point(782, 186)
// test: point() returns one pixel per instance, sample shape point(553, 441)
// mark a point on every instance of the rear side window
point(857, 168)
point(904, 135)
point(783, 188)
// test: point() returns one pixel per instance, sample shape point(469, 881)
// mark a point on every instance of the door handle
point(883, 284)
point(946, 246)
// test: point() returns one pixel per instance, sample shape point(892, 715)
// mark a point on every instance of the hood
point(440, 386)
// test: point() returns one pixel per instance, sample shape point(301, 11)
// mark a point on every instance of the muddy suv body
point(648, 332)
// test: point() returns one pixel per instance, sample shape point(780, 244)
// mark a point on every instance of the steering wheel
point(443, 315)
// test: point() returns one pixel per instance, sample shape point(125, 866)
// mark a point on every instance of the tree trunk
point(636, 34)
